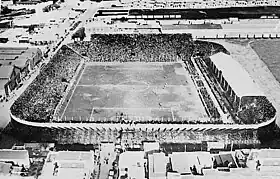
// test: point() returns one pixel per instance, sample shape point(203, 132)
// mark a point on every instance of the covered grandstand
point(244, 95)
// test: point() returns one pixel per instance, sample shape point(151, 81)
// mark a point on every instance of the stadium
point(142, 87)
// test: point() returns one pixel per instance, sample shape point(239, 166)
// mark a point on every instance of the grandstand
point(100, 90)
point(244, 95)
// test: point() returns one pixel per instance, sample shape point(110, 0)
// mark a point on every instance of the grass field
point(269, 53)
point(146, 91)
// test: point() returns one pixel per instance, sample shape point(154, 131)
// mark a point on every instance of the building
point(242, 93)
point(18, 157)
point(269, 159)
point(6, 23)
point(74, 164)
point(182, 162)
point(9, 79)
point(22, 57)
point(131, 165)
point(150, 146)
point(15, 64)
point(230, 75)
point(157, 163)
point(224, 160)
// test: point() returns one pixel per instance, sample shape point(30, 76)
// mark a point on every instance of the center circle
point(133, 85)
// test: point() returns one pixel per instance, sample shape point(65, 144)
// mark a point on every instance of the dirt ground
point(139, 90)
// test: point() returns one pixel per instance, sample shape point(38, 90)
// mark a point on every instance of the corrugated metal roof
point(236, 76)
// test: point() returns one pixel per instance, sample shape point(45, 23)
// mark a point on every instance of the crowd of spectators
point(136, 47)
point(209, 104)
point(207, 101)
point(255, 110)
point(40, 99)
point(205, 49)
point(185, 136)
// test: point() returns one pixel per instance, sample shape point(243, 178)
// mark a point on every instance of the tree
point(80, 33)
point(6, 10)
point(31, 29)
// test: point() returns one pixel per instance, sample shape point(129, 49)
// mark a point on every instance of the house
point(74, 164)
point(131, 165)
point(18, 157)
point(9, 79)
point(15, 64)
point(157, 163)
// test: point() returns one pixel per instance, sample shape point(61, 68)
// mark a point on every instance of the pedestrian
point(55, 169)
point(258, 164)
point(11, 170)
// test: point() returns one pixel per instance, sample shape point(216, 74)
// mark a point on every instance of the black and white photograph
point(139, 89)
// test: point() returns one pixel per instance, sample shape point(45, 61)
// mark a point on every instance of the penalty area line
point(72, 93)
point(90, 117)
point(172, 113)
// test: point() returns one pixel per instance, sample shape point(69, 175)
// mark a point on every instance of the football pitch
point(140, 91)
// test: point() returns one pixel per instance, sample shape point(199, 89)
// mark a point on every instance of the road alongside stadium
point(5, 107)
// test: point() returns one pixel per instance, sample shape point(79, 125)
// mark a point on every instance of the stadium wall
point(51, 132)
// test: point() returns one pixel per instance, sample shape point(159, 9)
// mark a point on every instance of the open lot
point(269, 53)
point(138, 90)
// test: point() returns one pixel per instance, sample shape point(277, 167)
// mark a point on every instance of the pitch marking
point(73, 92)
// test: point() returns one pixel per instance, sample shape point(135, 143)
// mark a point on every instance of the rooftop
point(182, 161)
point(135, 167)
point(17, 56)
point(13, 154)
point(236, 76)
point(157, 165)
point(72, 165)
